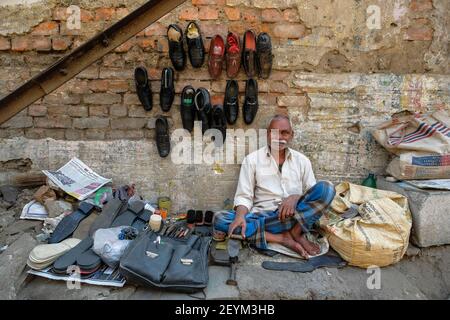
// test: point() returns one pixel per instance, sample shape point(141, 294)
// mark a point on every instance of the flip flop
point(69, 224)
point(44, 255)
point(306, 266)
point(133, 212)
point(70, 258)
point(110, 212)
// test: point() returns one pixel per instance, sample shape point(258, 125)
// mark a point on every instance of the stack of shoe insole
point(82, 256)
point(44, 255)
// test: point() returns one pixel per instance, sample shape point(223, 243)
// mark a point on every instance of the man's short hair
point(278, 117)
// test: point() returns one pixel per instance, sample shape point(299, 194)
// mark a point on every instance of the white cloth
point(262, 187)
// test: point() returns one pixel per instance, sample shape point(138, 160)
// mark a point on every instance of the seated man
point(277, 198)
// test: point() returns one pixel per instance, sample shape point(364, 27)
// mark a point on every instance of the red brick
point(291, 15)
point(250, 15)
point(22, 44)
point(98, 111)
point(57, 110)
point(37, 110)
point(5, 44)
point(145, 43)
point(61, 121)
point(216, 2)
point(46, 29)
point(271, 15)
point(217, 99)
point(125, 47)
point(104, 14)
point(86, 16)
point(421, 5)
point(289, 30)
point(37, 133)
point(42, 44)
point(118, 86)
point(61, 43)
point(419, 30)
point(98, 85)
point(156, 29)
point(211, 28)
point(275, 86)
point(233, 14)
point(190, 13)
point(208, 13)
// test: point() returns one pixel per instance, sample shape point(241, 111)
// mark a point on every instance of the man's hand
point(288, 206)
point(239, 221)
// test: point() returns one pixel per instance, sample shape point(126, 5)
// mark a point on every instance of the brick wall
point(333, 74)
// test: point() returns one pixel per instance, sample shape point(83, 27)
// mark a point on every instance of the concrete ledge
point(430, 211)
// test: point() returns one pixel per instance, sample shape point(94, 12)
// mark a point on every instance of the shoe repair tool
point(163, 230)
point(180, 232)
point(233, 252)
point(170, 229)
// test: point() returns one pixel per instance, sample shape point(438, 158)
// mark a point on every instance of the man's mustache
point(280, 141)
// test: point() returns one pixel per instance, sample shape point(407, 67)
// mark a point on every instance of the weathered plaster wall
point(334, 76)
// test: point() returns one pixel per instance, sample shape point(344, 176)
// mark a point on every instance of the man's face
point(280, 134)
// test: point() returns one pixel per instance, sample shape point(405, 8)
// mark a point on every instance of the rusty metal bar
point(82, 57)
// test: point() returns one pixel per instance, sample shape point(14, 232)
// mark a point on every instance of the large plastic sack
point(108, 245)
point(378, 236)
point(420, 142)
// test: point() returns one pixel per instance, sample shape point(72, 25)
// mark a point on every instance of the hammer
point(233, 251)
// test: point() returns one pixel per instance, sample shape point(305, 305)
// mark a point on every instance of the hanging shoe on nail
point(143, 88)
point(203, 106)
point(249, 53)
point(195, 45)
point(251, 105)
point(176, 48)
point(162, 136)
point(264, 57)
point(167, 93)
point(187, 108)
point(216, 56)
point(219, 122)
point(231, 101)
point(233, 55)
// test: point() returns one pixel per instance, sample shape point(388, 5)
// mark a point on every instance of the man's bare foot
point(288, 241)
point(312, 248)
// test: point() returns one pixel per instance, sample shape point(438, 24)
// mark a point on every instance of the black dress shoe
point(162, 136)
point(251, 101)
point(203, 105)
point(167, 93)
point(176, 49)
point(249, 53)
point(187, 108)
point(264, 57)
point(143, 88)
point(196, 48)
point(231, 101)
point(219, 122)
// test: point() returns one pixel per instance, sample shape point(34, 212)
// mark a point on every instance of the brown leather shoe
point(249, 53)
point(233, 55)
point(216, 56)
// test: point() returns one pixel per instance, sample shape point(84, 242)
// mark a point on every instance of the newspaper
point(77, 179)
point(104, 276)
point(34, 211)
point(440, 184)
